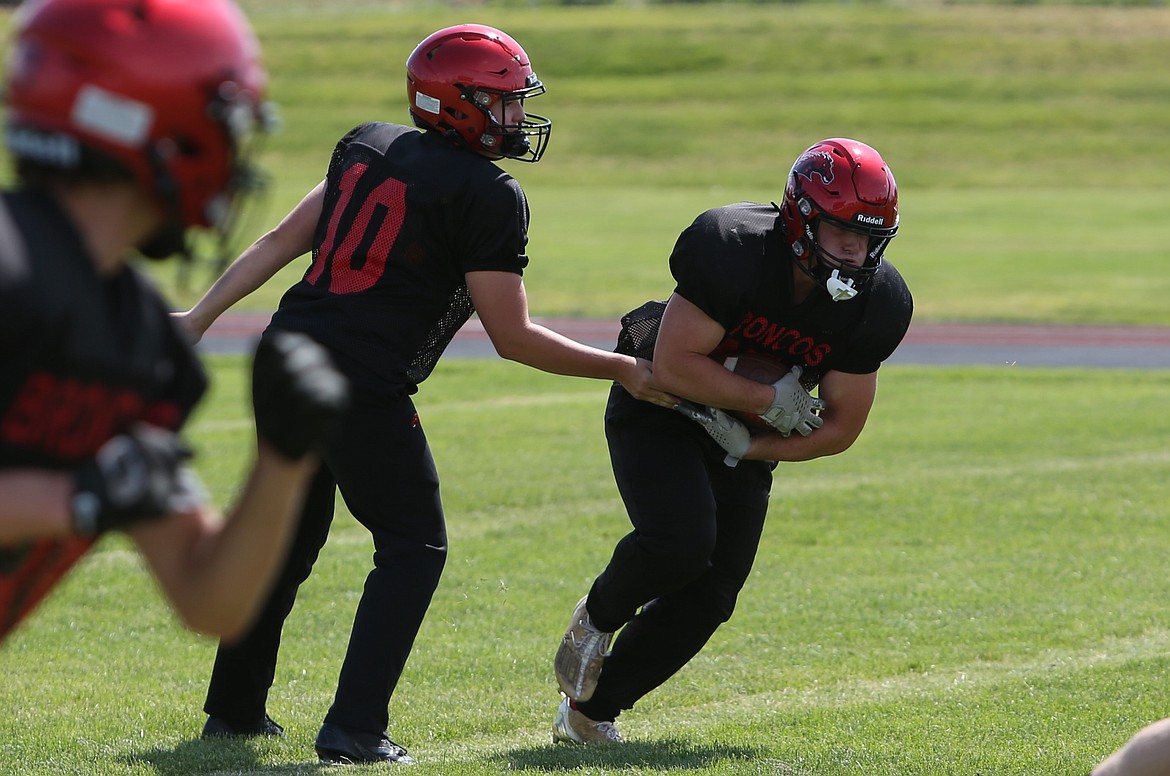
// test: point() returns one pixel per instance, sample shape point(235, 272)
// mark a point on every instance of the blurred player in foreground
point(125, 119)
point(802, 285)
point(410, 232)
point(1147, 753)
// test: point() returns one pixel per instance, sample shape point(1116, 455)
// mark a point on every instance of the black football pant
point(674, 579)
point(382, 465)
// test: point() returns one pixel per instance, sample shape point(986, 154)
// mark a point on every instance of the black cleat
point(218, 727)
point(338, 746)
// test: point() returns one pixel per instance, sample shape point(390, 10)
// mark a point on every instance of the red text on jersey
point(70, 419)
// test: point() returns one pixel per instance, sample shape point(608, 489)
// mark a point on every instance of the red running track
point(1141, 347)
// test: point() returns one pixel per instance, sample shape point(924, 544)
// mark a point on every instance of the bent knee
point(685, 558)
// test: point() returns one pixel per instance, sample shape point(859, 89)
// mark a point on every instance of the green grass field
point(977, 587)
point(1029, 142)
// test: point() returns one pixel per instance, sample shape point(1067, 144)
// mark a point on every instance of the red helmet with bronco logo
point(848, 184)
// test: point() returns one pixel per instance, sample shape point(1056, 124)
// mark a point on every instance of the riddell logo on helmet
point(862, 218)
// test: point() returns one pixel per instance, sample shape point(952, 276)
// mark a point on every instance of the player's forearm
point(701, 379)
point(229, 572)
point(544, 349)
point(34, 503)
point(254, 267)
point(831, 439)
point(291, 238)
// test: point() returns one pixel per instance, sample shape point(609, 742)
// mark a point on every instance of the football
point(761, 368)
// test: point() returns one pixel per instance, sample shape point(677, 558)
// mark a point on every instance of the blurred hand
point(136, 476)
point(297, 392)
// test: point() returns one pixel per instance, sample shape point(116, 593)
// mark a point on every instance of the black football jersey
point(406, 215)
point(82, 357)
point(732, 263)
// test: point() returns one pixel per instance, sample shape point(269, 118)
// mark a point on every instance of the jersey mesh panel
point(459, 309)
point(640, 330)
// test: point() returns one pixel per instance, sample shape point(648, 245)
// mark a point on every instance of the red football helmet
point(168, 89)
point(456, 75)
point(848, 184)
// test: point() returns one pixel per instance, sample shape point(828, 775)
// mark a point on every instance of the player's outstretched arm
point(35, 503)
point(291, 238)
point(502, 305)
point(217, 573)
point(139, 475)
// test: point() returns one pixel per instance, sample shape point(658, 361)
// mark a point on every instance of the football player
point(803, 284)
point(412, 229)
point(125, 120)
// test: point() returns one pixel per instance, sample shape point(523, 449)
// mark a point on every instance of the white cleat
point(572, 727)
point(578, 661)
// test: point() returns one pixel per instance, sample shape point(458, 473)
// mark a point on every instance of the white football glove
point(793, 408)
point(729, 433)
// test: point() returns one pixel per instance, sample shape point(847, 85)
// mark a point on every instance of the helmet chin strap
point(171, 236)
point(840, 289)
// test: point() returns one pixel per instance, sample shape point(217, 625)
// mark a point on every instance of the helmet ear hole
point(188, 147)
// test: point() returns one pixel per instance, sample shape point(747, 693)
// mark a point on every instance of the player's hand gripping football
point(793, 408)
point(139, 475)
point(729, 433)
point(297, 393)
